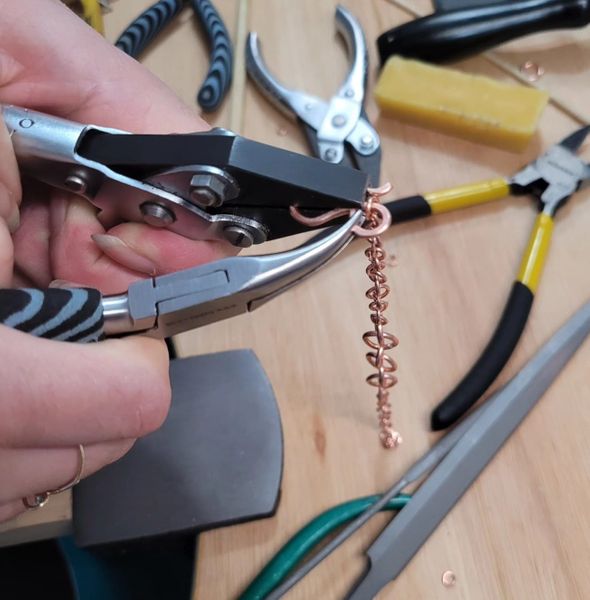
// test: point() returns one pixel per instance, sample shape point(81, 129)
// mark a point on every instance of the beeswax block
point(474, 107)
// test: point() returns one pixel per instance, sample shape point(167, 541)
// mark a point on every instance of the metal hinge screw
point(157, 215)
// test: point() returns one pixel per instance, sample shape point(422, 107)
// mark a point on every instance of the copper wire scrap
point(377, 221)
point(532, 71)
point(379, 340)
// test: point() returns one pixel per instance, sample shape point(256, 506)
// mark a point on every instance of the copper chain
point(377, 220)
point(379, 340)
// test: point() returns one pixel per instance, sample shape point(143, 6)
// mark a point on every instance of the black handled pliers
point(338, 130)
point(209, 185)
point(457, 34)
point(551, 179)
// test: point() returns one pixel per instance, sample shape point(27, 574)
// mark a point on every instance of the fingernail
point(58, 211)
point(79, 210)
point(122, 253)
point(62, 283)
point(14, 220)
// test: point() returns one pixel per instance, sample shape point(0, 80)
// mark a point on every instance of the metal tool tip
point(573, 141)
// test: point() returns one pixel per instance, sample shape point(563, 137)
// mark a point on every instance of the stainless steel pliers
point(207, 185)
point(338, 131)
point(170, 304)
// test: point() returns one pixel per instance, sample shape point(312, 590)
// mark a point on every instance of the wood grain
point(521, 531)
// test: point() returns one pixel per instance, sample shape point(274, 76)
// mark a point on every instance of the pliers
point(207, 185)
point(457, 34)
point(551, 179)
point(170, 304)
point(147, 26)
point(338, 131)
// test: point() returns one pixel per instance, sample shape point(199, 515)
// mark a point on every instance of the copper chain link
point(377, 220)
point(379, 340)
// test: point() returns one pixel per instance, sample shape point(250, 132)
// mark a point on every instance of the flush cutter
point(551, 179)
point(209, 185)
point(143, 30)
point(447, 470)
point(338, 131)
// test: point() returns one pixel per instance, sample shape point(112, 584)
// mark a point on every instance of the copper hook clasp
point(383, 223)
point(322, 219)
point(371, 208)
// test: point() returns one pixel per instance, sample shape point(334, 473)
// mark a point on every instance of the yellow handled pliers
point(90, 11)
point(551, 179)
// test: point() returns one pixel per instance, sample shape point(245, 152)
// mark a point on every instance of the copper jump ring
point(382, 218)
point(532, 71)
point(320, 220)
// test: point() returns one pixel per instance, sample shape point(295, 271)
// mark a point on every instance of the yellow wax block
point(474, 107)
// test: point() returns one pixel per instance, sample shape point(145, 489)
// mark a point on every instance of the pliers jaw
point(338, 131)
point(170, 304)
point(211, 185)
point(556, 175)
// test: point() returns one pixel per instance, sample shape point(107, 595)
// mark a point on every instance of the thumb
point(10, 196)
point(10, 190)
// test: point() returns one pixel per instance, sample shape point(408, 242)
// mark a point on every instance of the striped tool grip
point(219, 76)
point(69, 315)
point(147, 26)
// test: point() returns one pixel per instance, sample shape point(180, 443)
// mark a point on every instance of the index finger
point(82, 77)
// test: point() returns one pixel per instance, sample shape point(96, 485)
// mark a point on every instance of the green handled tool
point(495, 422)
point(450, 467)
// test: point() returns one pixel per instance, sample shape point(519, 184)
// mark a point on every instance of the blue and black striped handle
point(147, 26)
point(153, 20)
point(68, 315)
point(218, 78)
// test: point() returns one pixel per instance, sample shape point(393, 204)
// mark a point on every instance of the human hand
point(57, 395)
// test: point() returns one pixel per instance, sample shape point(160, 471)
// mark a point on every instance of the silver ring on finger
point(39, 500)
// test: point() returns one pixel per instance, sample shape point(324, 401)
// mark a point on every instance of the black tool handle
point(218, 79)
point(69, 315)
point(457, 34)
point(491, 361)
point(407, 209)
point(147, 26)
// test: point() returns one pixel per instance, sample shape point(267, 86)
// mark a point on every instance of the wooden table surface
point(523, 529)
